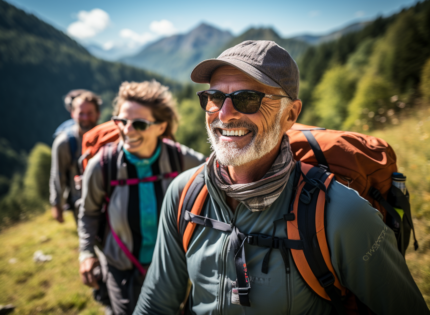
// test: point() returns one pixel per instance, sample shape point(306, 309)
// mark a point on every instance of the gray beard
point(229, 154)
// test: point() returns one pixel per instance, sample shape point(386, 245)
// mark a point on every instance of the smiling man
point(84, 107)
point(248, 186)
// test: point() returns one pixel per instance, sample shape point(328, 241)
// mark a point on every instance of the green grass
point(411, 142)
point(52, 287)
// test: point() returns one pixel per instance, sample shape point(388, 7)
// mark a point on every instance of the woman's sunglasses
point(138, 124)
point(244, 101)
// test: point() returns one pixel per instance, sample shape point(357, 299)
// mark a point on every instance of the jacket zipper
point(289, 297)
point(224, 264)
point(223, 267)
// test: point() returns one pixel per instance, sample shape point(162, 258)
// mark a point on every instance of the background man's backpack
point(96, 138)
point(361, 162)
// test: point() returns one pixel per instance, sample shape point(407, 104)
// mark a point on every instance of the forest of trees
point(365, 79)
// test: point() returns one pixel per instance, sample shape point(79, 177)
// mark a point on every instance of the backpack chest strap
point(238, 241)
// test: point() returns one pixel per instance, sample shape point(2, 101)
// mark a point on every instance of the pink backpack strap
point(124, 248)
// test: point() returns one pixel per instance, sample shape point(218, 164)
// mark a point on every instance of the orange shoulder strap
point(192, 199)
point(309, 204)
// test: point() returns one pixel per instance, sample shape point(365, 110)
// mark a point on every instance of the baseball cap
point(263, 60)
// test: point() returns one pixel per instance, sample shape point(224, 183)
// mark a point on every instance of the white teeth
point(234, 133)
point(131, 139)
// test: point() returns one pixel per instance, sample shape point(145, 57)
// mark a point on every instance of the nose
point(228, 112)
point(128, 128)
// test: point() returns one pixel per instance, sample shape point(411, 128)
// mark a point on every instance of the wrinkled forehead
point(228, 77)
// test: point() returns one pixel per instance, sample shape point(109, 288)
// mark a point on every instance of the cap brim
point(203, 71)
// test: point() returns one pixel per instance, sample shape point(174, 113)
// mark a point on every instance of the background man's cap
point(265, 61)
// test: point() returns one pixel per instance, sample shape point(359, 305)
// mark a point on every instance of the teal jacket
point(378, 275)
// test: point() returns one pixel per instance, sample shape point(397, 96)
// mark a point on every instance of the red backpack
point(361, 162)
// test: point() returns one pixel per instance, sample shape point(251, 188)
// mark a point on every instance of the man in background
point(84, 108)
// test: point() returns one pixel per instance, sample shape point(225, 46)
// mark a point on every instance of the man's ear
point(291, 114)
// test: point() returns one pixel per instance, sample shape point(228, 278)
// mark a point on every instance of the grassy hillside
point(410, 140)
point(52, 287)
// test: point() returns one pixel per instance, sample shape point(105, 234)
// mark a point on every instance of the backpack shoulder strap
point(192, 199)
point(319, 154)
point(108, 162)
point(314, 262)
point(73, 144)
point(175, 155)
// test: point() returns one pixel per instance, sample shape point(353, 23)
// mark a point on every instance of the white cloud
point(314, 13)
point(359, 13)
point(157, 29)
point(89, 23)
point(135, 37)
point(162, 27)
point(108, 45)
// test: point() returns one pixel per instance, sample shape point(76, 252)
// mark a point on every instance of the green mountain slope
point(38, 66)
point(176, 56)
point(365, 80)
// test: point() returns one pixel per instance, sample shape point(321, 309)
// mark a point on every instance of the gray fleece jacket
point(378, 275)
point(93, 198)
point(63, 169)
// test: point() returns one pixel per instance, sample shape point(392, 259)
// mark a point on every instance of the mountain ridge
point(37, 71)
point(175, 56)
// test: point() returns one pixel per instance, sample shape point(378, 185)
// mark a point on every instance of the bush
point(425, 81)
point(192, 130)
point(371, 101)
point(36, 180)
point(30, 194)
point(332, 95)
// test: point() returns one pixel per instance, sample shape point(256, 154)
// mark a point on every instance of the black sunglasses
point(138, 124)
point(244, 101)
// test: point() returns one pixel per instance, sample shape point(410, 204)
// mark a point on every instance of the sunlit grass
point(411, 142)
point(53, 287)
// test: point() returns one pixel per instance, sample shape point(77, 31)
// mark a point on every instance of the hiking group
point(281, 218)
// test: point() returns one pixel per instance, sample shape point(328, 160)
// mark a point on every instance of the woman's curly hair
point(153, 95)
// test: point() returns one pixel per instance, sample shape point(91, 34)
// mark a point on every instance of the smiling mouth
point(132, 140)
point(234, 133)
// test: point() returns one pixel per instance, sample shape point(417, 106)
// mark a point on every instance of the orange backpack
point(96, 138)
point(361, 162)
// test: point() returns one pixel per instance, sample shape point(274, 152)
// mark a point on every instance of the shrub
point(332, 95)
point(425, 81)
point(36, 180)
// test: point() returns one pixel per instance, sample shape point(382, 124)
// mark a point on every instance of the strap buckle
point(242, 291)
point(326, 280)
point(122, 182)
point(263, 240)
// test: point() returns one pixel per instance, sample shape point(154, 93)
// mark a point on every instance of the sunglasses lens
point(120, 122)
point(140, 125)
point(247, 102)
point(211, 101)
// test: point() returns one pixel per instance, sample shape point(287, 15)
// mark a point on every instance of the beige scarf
point(259, 195)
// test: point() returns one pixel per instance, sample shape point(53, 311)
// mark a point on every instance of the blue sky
point(110, 23)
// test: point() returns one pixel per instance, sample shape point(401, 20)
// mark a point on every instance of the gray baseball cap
point(264, 60)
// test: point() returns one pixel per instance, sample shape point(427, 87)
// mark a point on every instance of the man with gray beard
point(248, 187)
